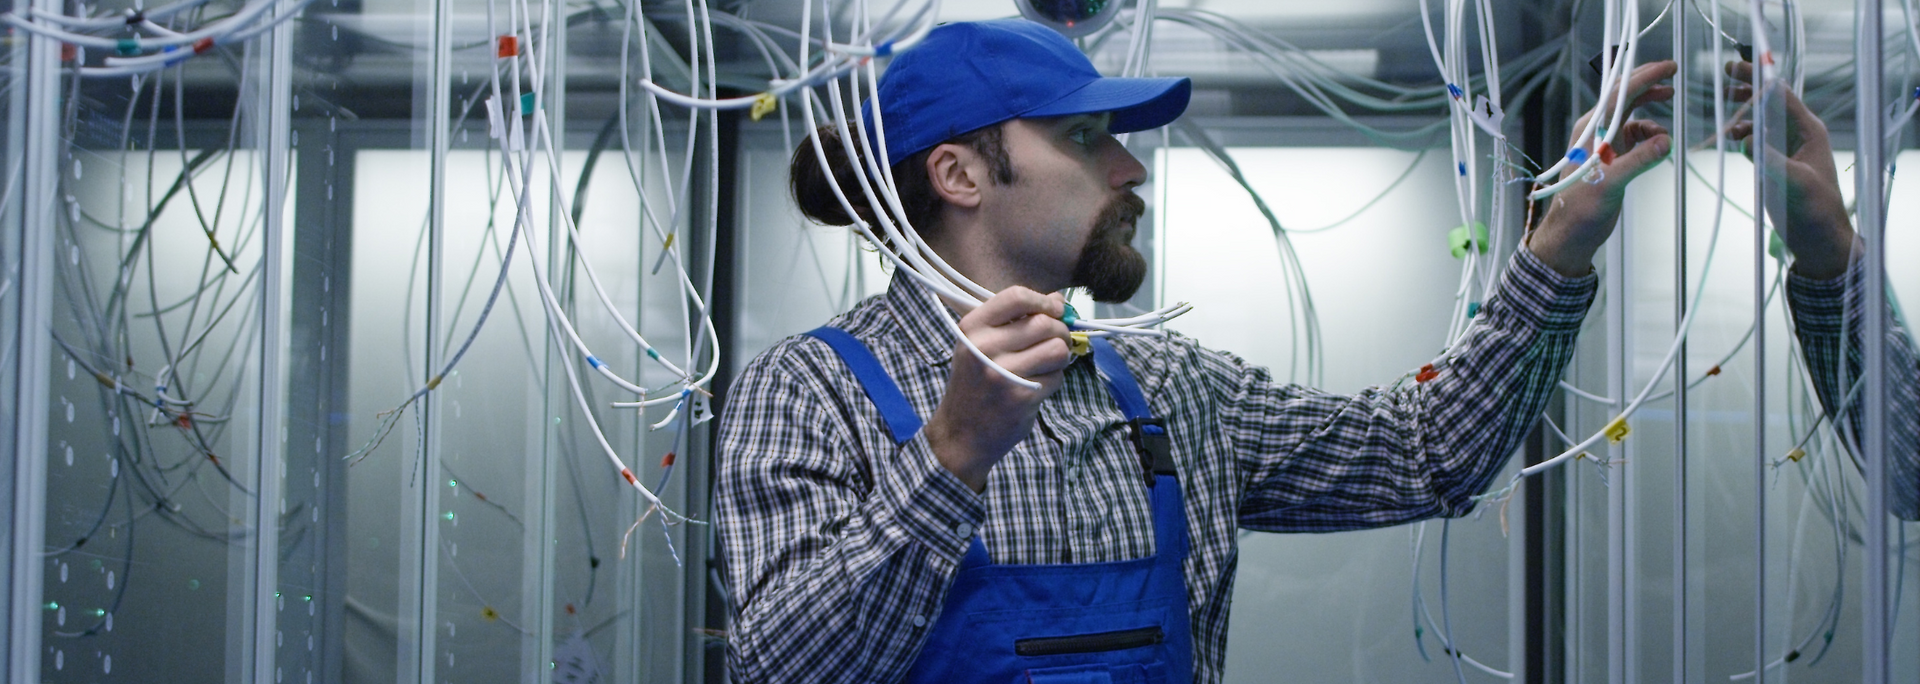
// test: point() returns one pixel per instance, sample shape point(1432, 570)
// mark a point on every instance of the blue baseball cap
point(966, 76)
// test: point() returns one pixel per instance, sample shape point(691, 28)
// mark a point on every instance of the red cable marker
point(1606, 153)
point(667, 461)
point(1426, 373)
point(629, 475)
point(509, 46)
point(69, 52)
point(202, 45)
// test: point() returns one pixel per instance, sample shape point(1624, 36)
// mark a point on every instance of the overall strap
point(1149, 433)
point(881, 390)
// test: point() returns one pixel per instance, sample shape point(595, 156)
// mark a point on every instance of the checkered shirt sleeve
point(1828, 316)
point(840, 544)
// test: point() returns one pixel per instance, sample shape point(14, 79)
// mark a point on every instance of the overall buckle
point(1155, 446)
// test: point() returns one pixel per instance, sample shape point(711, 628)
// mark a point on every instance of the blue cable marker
point(1454, 90)
point(1463, 168)
point(884, 49)
point(591, 361)
point(1577, 155)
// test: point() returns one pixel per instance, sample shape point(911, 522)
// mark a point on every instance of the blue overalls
point(1123, 622)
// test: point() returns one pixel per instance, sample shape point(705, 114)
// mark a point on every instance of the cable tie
point(508, 46)
point(202, 45)
point(1617, 430)
point(1606, 153)
point(1454, 90)
point(1577, 155)
point(127, 47)
point(1426, 373)
point(763, 104)
point(1080, 344)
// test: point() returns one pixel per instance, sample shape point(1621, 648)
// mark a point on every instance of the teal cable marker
point(526, 103)
point(1069, 316)
point(651, 354)
point(127, 47)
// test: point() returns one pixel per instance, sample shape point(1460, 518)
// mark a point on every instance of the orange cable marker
point(509, 46)
point(1713, 371)
point(1606, 153)
point(629, 475)
point(667, 461)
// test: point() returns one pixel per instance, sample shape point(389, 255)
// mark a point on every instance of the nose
point(1124, 171)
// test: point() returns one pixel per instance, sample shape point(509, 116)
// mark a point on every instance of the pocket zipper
point(1090, 643)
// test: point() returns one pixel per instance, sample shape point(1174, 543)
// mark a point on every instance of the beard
point(1110, 268)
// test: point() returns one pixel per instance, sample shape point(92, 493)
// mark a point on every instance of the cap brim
point(1137, 104)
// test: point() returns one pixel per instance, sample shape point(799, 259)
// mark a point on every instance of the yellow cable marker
point(1797, 454)
point(1617, 431)
point(763, 104)
point(1081, 344)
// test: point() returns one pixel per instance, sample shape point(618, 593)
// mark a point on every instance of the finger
point(1658, 93)
point(1018, 334)
point(1740, 71)
point(1636, 132)
point(1643, 156)
point(1012, 304)
point(1047, 357)
point(1646, 76)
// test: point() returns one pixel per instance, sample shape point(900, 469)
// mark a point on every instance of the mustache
point(1119, 212)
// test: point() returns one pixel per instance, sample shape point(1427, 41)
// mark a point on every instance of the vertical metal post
point(1682, 58)
point(420, 564)
point(1619, 365)
point(274, 147)
point(1870, 183)
point(38, 202)
point(1761, 130)
point(538, 543)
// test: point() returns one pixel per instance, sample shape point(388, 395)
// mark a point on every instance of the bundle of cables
point(151, 46)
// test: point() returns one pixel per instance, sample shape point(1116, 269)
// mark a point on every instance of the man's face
point(1068, 218)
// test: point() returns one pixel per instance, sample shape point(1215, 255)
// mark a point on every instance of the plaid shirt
point(840, 544)
point(1824, 311)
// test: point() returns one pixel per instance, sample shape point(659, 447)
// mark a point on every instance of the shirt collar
point(914, 308)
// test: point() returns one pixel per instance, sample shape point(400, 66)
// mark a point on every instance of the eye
point(1082, 136)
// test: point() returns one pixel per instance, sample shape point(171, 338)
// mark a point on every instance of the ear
point(955, 173)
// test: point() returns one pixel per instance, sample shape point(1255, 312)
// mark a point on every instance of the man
point(1084, 531)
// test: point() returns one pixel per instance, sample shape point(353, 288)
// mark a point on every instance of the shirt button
point(919, 621)
point(963, 530)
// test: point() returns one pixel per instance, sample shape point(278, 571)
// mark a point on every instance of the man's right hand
point(983, 415)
